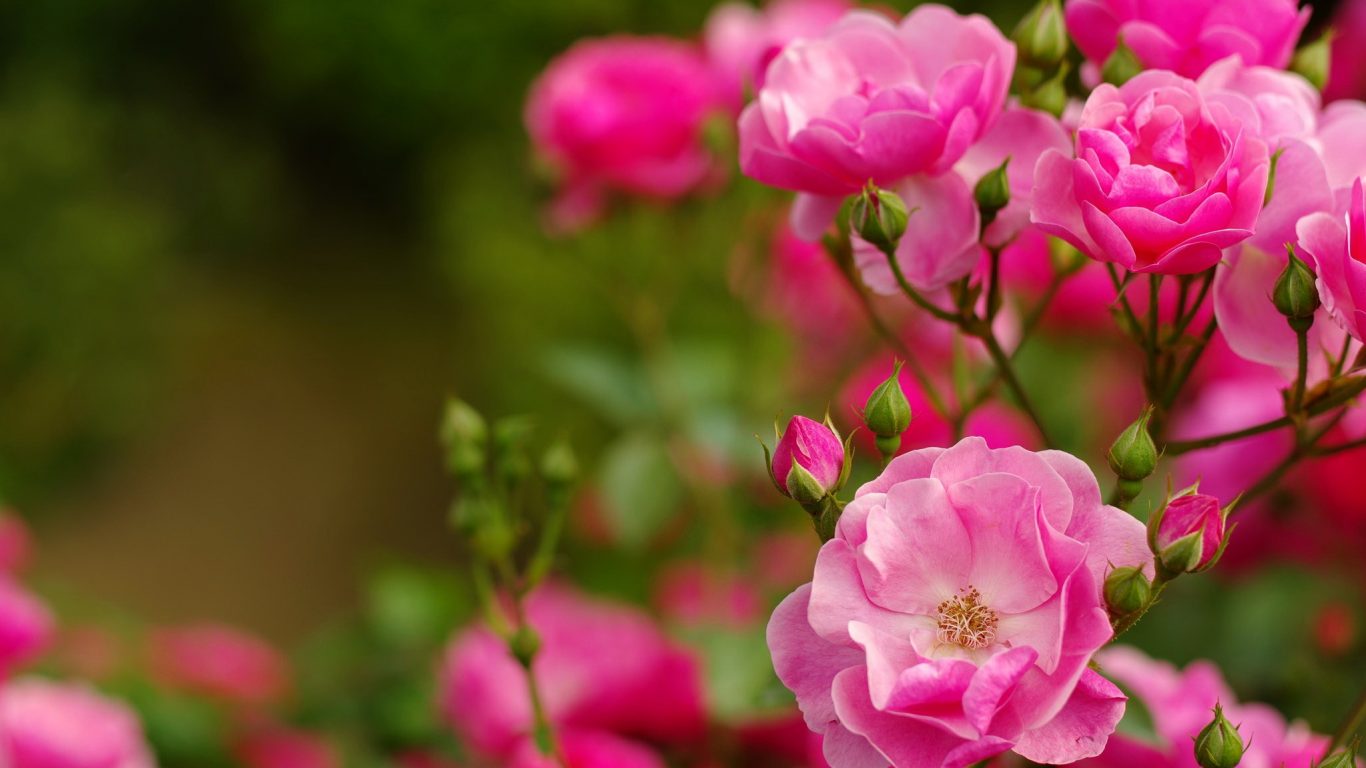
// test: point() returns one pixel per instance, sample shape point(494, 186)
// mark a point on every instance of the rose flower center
point(966, 622)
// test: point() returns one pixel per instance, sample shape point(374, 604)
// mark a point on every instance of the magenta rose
point(1337, 245)
point(953, 615)
point(1192, 524)
point(1161, 179)
point(873, 100)
point(26, 626)
point(813, 447)
point(622, 114)
point(1187, 37)
point(51, 725)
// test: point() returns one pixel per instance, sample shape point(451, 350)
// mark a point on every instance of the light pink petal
point(972, 457)
point(1009, 565)
point(1242, 303)
point(806, 663)
point(1081, 728)
point(994, 683)
point(918, 552)
point(1054, 207)
point(838, 597)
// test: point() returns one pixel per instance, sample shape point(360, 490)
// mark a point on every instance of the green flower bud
point(524, 644)
point(1041, 36)
point(1127, 590)
point(1343, 758)
point(1218, 745)
point(465, 436)
point(1312, 61)
point(559, 466)
point(993, 192)
point(1050, 95)
point(1182, 555)
point(1122, 65)
point(510, 437)
point(1295, 295)
point(1133, 456)
point(803, 486)
point(887, 412)
point(879, 217)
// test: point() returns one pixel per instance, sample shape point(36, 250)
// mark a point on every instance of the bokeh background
point(248, 247)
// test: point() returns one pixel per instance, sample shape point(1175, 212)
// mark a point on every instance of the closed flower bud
point(1127, 591)
point(1050, 95)
point(465, 436)
point(1312, 60)
point(1218, 745)
point(887, 413)
point(879, 217)
point(992, 192)
point(808, 460)
point(1133, 456)
point(1122, 65)
point(1041, 36)
point(1343, 758)
point(1189, 533)
point(559, 466)
point(1295, 295)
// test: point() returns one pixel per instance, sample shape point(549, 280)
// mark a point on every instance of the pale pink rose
point(1347, 70)
point(16, 543)
point(873, 100)
point(953, 615)
point(1187, 37)
point(588, 749)
point(1180, 703)
point(601, 667)
point(219, 661)
point(280, 747)
point(740, 40)
point(622, 114)
point(52, 725)
point(1161, 180)
point(1337, 245)
point(26, 626)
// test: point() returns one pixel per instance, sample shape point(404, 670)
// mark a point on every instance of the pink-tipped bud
point(1190, 533)
point(808, 460)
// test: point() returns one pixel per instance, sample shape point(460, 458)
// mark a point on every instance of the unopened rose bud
point(808, 460)
point(1295, 295)
point(1127, 591)
point(992, 192)
point(465, 437)
point(1049, 95)
point(510, 438)
point(1312, 61)
point(879, 217)
point(1133, 456)
point(1189, 533)
point(1342, 758)
point(524, 644)
point(1041, 36)
point(1218, 745)
point(887, 413)
point(559, 466)
point(1122, 65)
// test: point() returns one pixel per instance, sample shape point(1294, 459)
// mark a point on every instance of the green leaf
point(614, 385)
point(640, 488)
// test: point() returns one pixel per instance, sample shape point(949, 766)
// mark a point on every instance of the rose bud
point(1041, 36)
point(1121, 66)
point(992, 193)
point(1189, 533)
point(1343, 758)
point(1311, 61)
point(1133, 456)
point(808, 460)
point(887, 413)
point(1218, 745)
point(879, 217)
point(1127, 591)
point(1296, 296)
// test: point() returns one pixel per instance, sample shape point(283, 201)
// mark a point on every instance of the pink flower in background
point(622, 114)
point(1180, 702)
point(601, 667)
point(1337, 245)
point(16, 543)
point(278, 747)
point(52, 725)
point(1347, 71)
point(1081, 306)
point(1161, 181)
point(812, 446)
point(740, 40)
point(953, 615)
point(809, 295)
point(26, 626)
point(219, 661)
point(588, 749)
point(693, 594)
point(871, 99)
point(1187, 37)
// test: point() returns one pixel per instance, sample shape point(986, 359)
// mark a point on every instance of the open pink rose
point(219, 661)
point(622, 114)
point(51, 725)
point(740, 40)
point(1180, 704)
point(1161, 181)
point(1187, 37)
point(953, 615)
point(1337, 245)
point(601, 667)
point(873, 100)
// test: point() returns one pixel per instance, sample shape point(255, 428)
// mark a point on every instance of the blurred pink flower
point(1161, 181)
point(809, 295)
point(953, 615)
point(26, 626)
point(1180, 704)
point(740, 40)
point(52, 725)
point(1081, 306)
point(588, 749)
point(219, 661)
point(1187, 37)
point(16, 543)
point(601, 667)
point(1337, 245)
point(1347, 71)
point(279, 747)
point(693, 594)
point(622, 114)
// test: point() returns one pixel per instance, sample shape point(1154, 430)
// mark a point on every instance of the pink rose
point(740, 40)
point(51, 725)
point(625, 115)
point(953, 615)
point(1187, 37)
point(1161, 181)
point(814, 448)
point(1194, 517)
point(26, 626)
point(219, 661)
point(1347, 71)
point(601, 667)
point(588, 749)
point(870, 99)
point(278, 747)
point(1337, 245)
point(1180, 703)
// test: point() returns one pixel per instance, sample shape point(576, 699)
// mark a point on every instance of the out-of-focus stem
point(1007, 371)
point(1178, 447)
point(1352, 723)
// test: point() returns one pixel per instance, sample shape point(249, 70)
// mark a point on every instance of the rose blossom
point(1161, 181)
point(1337, 245)
point(622, 114)
point(740, 40)
point(812, 446)
point(953, 615)
point(51, 725)
point(1180, 703)
point(1187, 37)
point(219, 661)
point(26, 626)
point(601, 667)
point(1193, 514)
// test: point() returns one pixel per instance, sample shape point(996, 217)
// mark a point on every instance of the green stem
point(1352, 723)
point(541, 730)
point(914, 295)
point(1178, 447)
point(1154, 346)
point(1007, 372)
point(1124, 303)
point(1333, 450)
point(1183, 374)
point(1302, 368)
